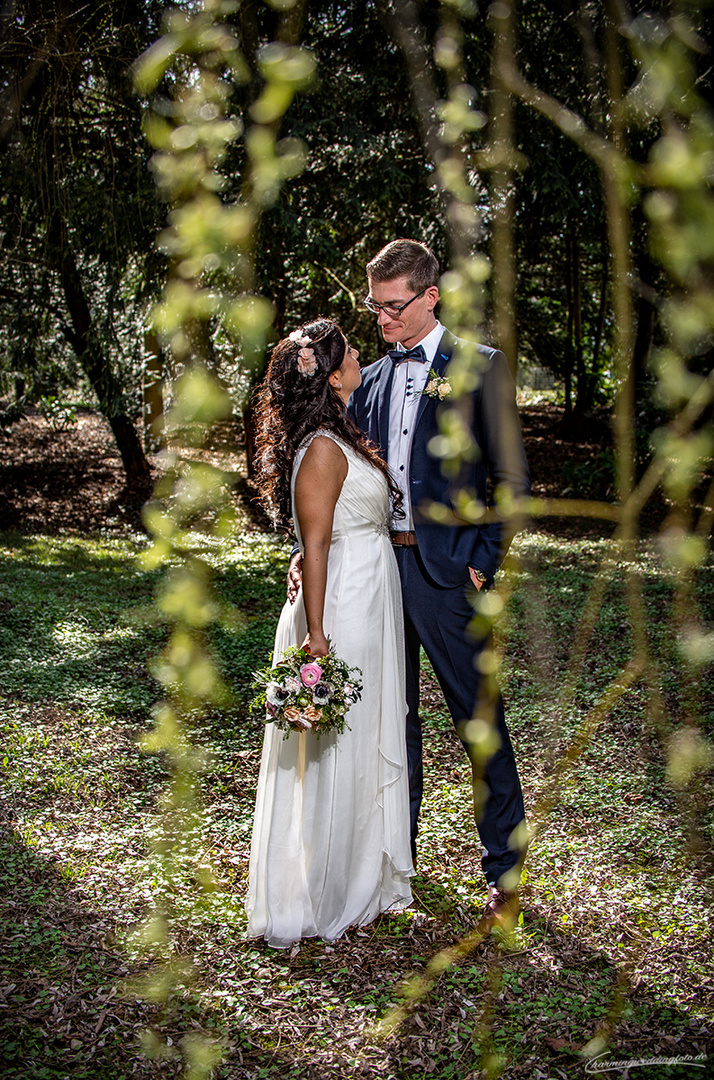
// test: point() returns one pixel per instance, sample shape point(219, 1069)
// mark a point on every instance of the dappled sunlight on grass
point(79, 627)
point(615, 901)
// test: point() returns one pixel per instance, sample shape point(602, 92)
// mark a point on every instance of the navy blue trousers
point(438, 619)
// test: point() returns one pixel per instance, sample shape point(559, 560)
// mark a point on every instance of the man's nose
point(383, 318)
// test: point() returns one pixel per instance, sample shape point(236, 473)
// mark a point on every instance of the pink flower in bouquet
point(306, 719)
point(293, 684)
point(296, 719)
point(310, 674)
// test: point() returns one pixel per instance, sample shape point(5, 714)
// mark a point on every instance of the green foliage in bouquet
point(306, 693)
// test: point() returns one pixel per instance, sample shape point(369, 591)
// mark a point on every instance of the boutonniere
point(438, 386)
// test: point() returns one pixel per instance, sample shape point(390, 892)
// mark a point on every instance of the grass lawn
point(615, 940)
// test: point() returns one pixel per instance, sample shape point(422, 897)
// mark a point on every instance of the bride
point(330, 846)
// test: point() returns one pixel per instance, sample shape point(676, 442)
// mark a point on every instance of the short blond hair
point(405, 258)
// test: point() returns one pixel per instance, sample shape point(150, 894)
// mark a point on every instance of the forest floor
point(72, 480)
point(612, 955)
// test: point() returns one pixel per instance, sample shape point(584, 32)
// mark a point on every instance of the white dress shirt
point(410, 378)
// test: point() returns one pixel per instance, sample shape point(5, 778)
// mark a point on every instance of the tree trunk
point(581, 398)
point(136, 467)
point(569, 358)
point(600, 325)
point(83, 338)
point(152, 392)
point(645, 317)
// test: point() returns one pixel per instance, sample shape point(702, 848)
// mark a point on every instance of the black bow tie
point(399, 356)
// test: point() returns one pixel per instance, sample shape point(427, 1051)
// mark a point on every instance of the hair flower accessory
point(307, 363)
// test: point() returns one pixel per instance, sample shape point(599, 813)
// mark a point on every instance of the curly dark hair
point(288, 406)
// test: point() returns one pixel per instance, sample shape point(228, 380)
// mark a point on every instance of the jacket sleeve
point(497, 431)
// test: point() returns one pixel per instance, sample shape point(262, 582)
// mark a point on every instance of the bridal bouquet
point(306, 693)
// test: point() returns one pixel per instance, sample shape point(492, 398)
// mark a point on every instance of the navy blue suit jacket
point(448, 548)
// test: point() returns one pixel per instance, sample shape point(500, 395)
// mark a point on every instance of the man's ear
point(432, 295)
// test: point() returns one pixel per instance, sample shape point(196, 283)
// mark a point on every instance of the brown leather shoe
point(501, 909)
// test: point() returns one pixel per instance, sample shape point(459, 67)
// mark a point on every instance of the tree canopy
point(80, 212)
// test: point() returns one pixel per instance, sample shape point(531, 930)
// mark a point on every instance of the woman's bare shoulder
point(324, 452)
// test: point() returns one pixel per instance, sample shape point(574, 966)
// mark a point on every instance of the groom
point(439, 561)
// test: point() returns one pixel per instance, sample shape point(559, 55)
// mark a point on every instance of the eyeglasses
point(393, 310)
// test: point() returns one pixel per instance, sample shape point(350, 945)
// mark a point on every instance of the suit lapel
point(383, 399)
point(443, 355)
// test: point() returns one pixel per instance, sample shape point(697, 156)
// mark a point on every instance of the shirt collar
point(430, 342)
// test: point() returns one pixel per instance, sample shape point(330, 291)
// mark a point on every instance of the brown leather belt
point(403, 539)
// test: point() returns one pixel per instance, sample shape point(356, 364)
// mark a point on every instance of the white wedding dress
point(330, 845)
